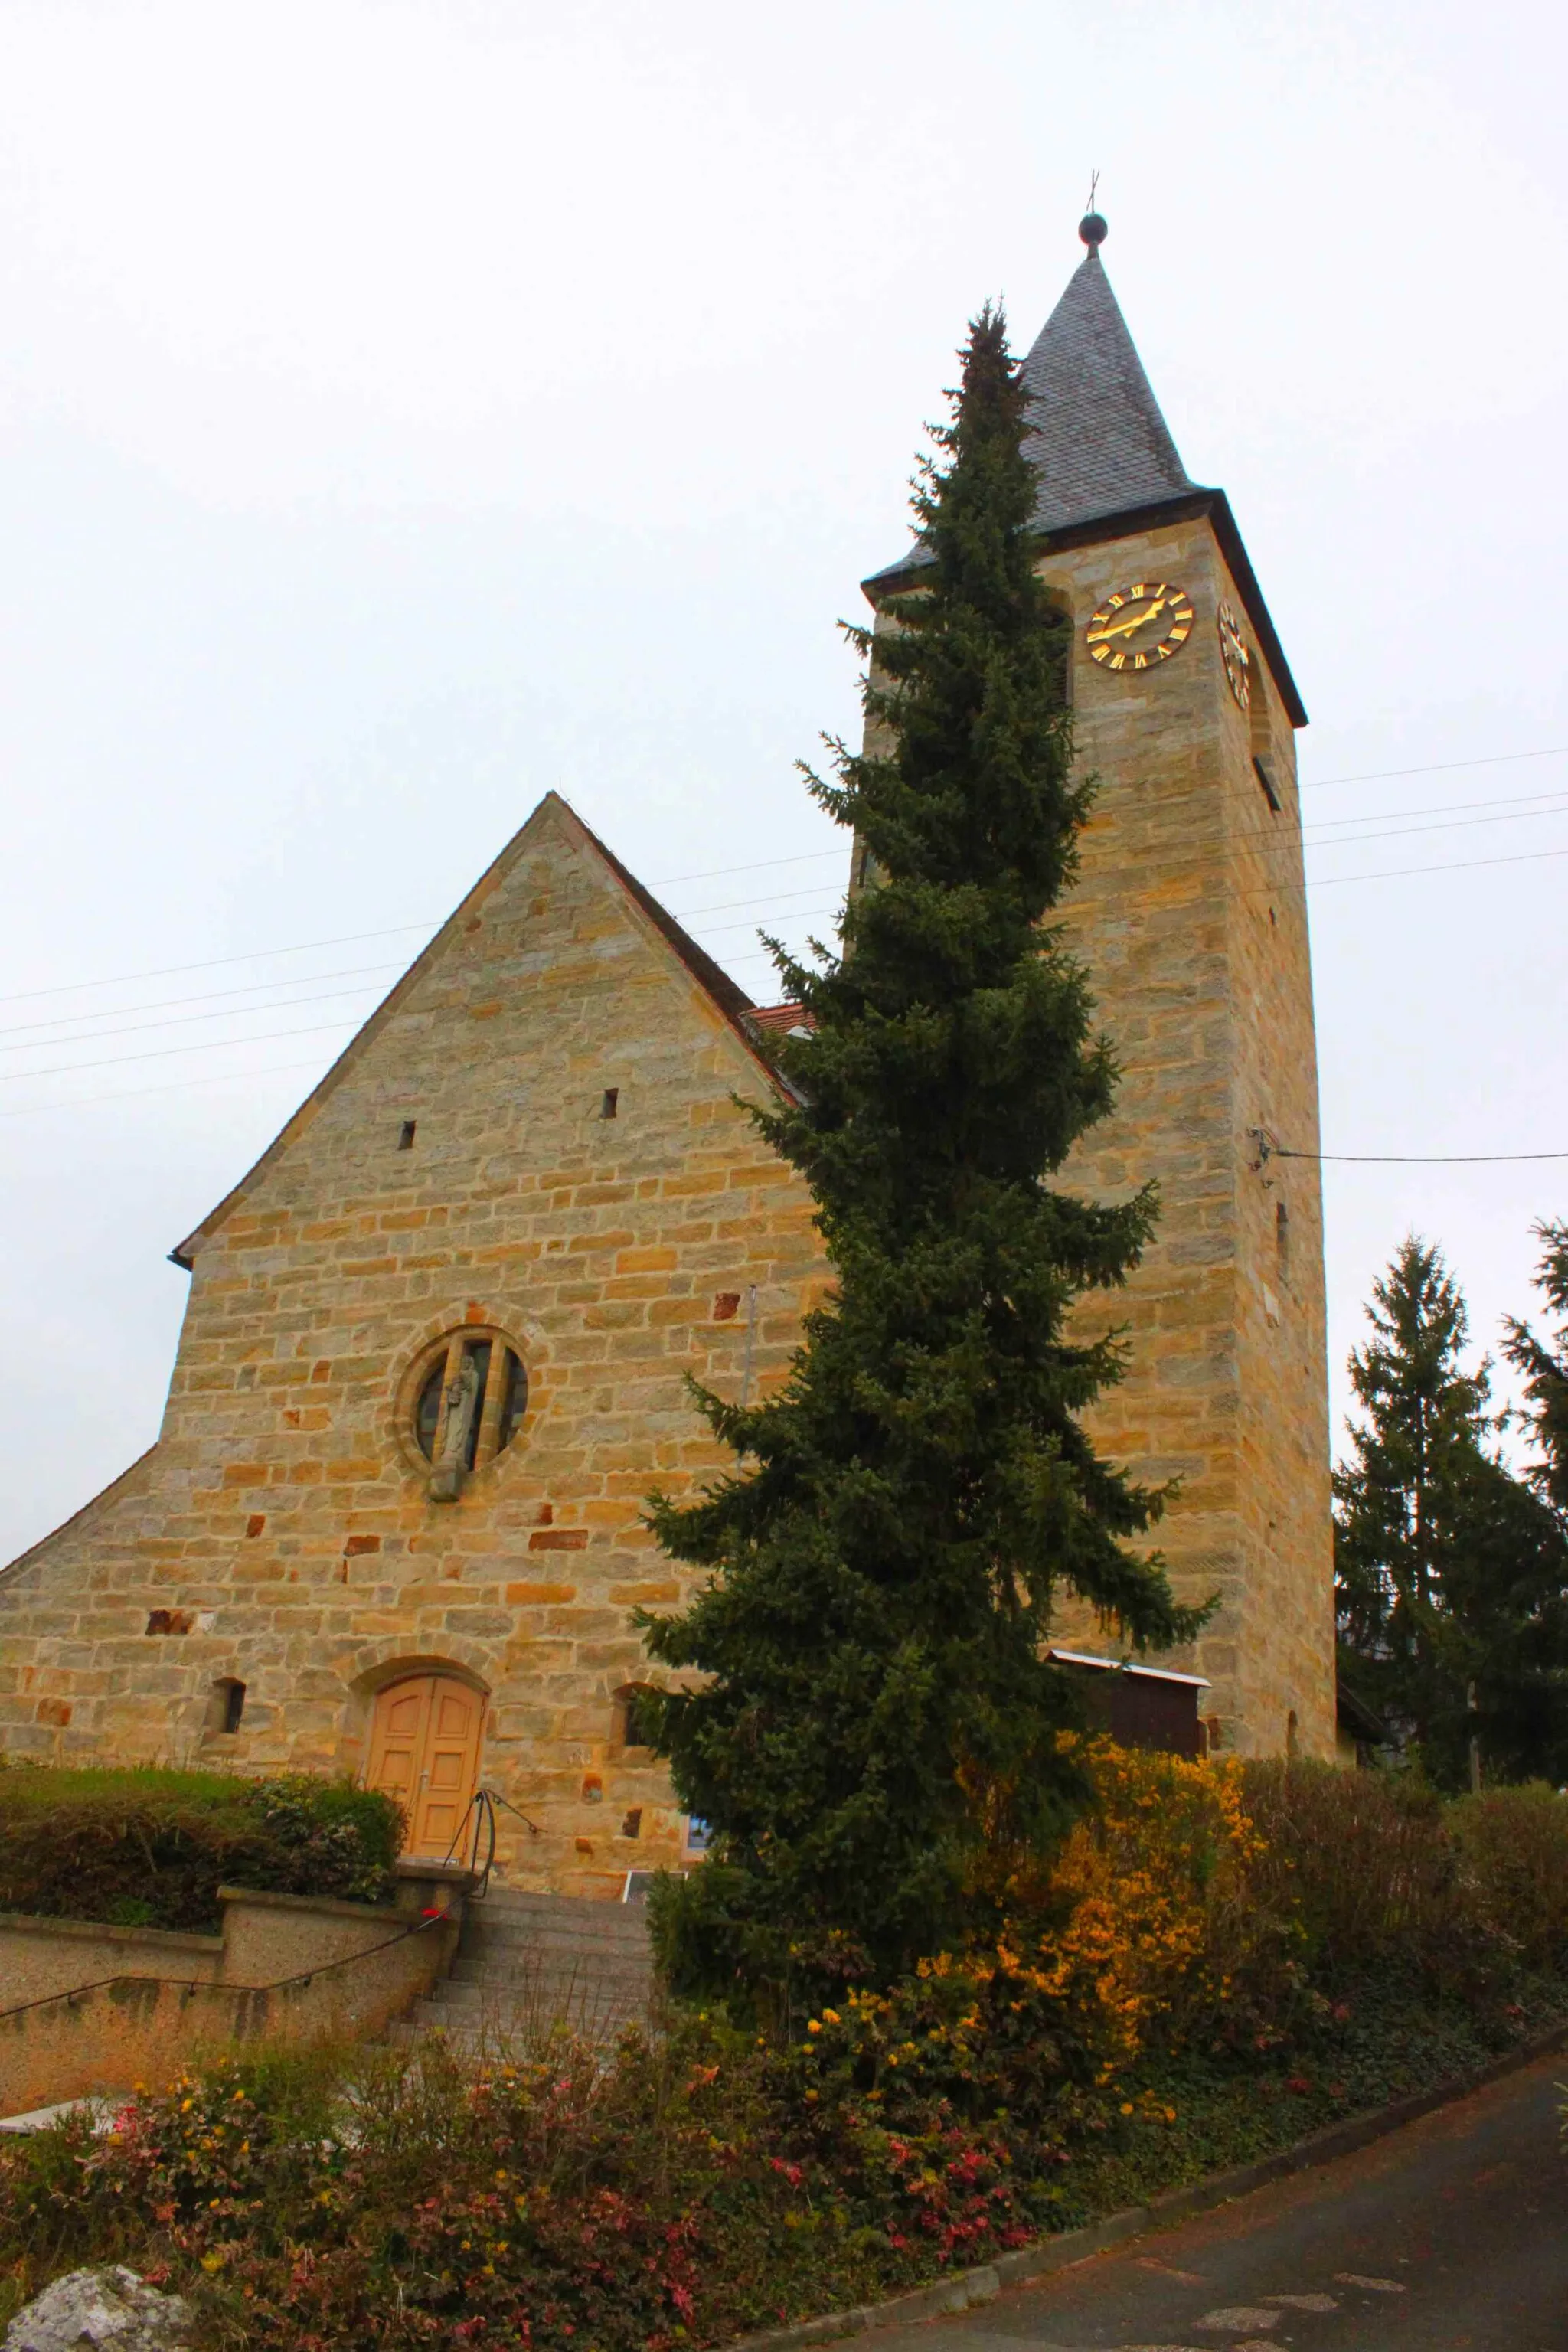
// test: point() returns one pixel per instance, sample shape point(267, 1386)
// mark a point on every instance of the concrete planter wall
point(39, 1958)
point(89, 2008)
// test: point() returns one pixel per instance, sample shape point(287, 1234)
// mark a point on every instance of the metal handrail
point(482, 1806)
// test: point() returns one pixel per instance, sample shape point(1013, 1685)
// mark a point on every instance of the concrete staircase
point(526, 1963)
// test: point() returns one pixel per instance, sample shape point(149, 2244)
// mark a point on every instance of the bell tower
point(1190, 914)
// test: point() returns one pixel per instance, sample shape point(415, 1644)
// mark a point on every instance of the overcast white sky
point(412, 405)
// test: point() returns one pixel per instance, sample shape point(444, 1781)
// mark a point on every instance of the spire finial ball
point(1094, 230)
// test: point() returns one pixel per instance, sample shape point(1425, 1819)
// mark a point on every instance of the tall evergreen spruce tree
point(1544, 1364)
point(1451, 1572)
point(876, 1715)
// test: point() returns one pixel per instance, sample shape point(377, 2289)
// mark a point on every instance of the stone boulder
point(110, 2308)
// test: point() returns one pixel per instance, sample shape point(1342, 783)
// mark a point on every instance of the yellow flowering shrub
point(1141, 1906)
point(1140, 1926)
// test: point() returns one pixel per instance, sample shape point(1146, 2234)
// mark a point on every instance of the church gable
point(529, 1173)
point(557, 955)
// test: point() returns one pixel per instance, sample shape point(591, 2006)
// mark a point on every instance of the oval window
point(469, 1398)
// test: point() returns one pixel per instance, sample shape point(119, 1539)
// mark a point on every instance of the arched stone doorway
point(424, 1740)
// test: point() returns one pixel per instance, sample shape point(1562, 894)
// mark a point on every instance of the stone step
point(470, 1979)
point(474, 2031)
point(531, 2007)
point(520, 1934)
point(544, 1984)
point(527, 1905)
point(610, 1920)
point(477, 2048)
point(516, 1951)
point(526, 1961)
point(538, 1913)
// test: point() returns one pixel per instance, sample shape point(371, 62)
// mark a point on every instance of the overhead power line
point(31, 1044)
point(184, 1019)
point(715, 873)
point(1440, 768)
point(170, 1087)
point(281, 1002)
point(1415, 1159)
point(1394, 873)
point(1449, 824)
point(210, 964)
point(1274, 838)
point(804, 914)
point(1434, 808)
point(207, 996)
point(160, 1053)
point(216, 1045)
point(1265, 834)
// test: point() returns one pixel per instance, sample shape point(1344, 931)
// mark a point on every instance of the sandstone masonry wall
point(282, 1524)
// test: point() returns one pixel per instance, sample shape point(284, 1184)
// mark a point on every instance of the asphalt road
point(1452, 2232)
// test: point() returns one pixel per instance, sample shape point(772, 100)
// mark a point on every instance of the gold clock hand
point(1125, 628)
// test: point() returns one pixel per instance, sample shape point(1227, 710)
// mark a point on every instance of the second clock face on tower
point(1141, 626)
point(1234, 654)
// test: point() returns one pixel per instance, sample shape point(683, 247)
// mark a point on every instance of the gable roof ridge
point(727, 997)
point(727, 994)
point(742, 1013)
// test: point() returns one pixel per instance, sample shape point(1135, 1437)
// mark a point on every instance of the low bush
point(142, 1847)
point(675, 2191)
point(1364, 1862)
point(1514, 1842)
point(1379, 1871)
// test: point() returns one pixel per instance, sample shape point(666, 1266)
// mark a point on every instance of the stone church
point(431, 1363)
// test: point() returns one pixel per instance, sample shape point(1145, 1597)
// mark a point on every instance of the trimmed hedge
point(146, 1848)
point(1378, 1870)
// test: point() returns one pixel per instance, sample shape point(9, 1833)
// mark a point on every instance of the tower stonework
point(1189, 915)
point(434, 1355)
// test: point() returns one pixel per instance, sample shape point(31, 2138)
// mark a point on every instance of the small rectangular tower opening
point(612, 1096)
point(405, 1134)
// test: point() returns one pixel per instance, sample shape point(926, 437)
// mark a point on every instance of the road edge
point(965, 2288)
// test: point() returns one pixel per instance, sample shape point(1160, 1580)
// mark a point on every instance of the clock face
point(1237, 660)
point(1141, 626)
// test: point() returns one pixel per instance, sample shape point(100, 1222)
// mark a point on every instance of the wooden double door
point(424, 1751)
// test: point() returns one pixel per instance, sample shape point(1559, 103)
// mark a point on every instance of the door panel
point(424, 1751)
point(397, 1738)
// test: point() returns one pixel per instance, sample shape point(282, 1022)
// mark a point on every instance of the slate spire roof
point(1105, 465)
point(1096, 439)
